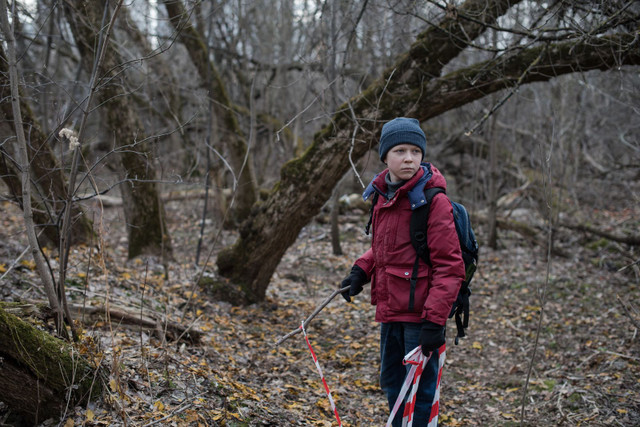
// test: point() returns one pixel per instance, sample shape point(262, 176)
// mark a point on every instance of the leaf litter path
point(586, 372)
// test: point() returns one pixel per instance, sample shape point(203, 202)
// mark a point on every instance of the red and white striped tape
point(418, 361)
point(435, 405)
point(326, 387)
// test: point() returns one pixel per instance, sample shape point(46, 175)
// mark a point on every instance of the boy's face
point(403, 161)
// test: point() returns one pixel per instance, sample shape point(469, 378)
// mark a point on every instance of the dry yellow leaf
point(31, 265)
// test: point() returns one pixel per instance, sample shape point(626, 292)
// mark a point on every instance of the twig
point(86, 275)
point(507, 96)
point(629, 315)
point(542, 293)
point(144, 286)
point(189, 328)
point(312, 315)
point(559, 406)
point(15, 262)
point(629, 265)
point(173, 413)
point(623, 356)
point(384, 89)
point(586, 360)
point(353, 143)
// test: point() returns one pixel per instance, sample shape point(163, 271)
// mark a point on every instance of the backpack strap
point(418, 229)
point(374, 200)
point(420, 222)
point(460, 309)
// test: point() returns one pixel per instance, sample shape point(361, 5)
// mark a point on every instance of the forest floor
point(586, 369)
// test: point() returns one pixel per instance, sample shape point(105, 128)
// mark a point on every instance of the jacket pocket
point(399, 287)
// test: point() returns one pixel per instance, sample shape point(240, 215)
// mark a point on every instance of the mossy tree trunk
point(41, 375)
point(143, 208)
point(229, 132)
point(412, 87)
point(49, 180)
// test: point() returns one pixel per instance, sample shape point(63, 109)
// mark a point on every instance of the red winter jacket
point(389, 262)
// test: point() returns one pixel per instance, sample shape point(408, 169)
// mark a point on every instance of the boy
point(408, 317)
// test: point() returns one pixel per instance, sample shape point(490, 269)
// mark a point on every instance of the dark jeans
point(396, 340)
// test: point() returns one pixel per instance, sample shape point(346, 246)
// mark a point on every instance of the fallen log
point(164, 329)
point(40, 375)
point(529, 233)
point(627, 240)
point(532, 234)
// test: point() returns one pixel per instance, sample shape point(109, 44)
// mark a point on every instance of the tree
point(144, 210)
point(413, 86)
point(223, 109)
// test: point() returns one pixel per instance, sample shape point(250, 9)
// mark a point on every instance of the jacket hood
point(429, 176)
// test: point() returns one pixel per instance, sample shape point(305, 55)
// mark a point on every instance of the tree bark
point(39, 374)
point(144, 211)
point(230, 134)
point(411, 88)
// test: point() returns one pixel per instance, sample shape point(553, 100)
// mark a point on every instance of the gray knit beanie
point(401, 130)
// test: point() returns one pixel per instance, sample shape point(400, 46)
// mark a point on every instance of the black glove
point(355, 280)
point(431, 337)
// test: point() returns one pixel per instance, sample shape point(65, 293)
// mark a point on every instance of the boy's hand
point(355, 280)
point(431, 337)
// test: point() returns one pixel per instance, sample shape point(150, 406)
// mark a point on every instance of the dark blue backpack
point(468, 245)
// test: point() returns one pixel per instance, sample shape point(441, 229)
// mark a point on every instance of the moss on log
point(40, 374)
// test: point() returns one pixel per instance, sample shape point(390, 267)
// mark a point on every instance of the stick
point(312, 315)
point(631, 318)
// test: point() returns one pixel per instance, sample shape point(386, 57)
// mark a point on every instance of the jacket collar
point(415, 193)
